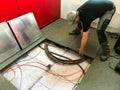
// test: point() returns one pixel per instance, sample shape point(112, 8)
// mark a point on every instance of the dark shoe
point(105, 51)
point(104, 57)
point(76, 31)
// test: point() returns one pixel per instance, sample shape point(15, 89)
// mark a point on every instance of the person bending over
point(85, 15)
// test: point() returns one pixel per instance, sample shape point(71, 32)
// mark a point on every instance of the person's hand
point(81, 52)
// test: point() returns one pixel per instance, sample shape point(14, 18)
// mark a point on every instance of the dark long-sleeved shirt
point(93, 9)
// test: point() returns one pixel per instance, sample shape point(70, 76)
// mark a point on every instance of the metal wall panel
point(8, 44)
point(25, 29)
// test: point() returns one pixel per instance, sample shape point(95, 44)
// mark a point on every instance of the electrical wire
point(30, 57)
point(58, 60)
point(49, 71)
point(20, 76)
point(34, 55)
point(10, 69)
point(31, 64)
point(56, 54)
point(62, 77)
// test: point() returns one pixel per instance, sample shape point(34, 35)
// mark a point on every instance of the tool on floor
point(117, 46)
point(117, 67)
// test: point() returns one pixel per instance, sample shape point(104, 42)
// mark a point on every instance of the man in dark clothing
point(85, 15)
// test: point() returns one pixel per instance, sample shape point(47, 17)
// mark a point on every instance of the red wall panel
point(35, 6)
point(45, 11)
point(52, 10)
point(8, 10)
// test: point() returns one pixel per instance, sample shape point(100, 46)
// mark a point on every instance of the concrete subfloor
point(99, 76)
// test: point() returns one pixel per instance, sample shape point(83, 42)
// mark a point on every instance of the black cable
point(56, 54)
point(69, 61)
point(58, 60)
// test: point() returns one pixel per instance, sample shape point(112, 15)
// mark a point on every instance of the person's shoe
point(104, 57)
point(76, 31)
point(105, 51)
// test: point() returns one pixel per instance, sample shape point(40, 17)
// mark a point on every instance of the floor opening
point(36, 71)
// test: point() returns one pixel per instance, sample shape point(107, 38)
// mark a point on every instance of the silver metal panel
point(8, 44)
point(25, 29)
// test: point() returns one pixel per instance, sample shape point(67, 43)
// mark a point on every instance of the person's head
point(73, 17)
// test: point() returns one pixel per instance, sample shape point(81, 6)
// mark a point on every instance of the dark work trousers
point(102, 25)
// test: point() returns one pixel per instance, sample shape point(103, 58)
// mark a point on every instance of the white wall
point(67, 5)
point(115, 22)
point(117, 3)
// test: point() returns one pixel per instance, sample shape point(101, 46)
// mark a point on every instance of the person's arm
point(83, 42)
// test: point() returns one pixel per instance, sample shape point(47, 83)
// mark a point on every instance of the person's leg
point(77, 30)
point(102, 25)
